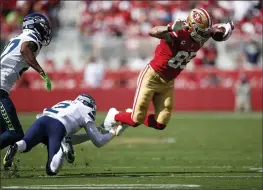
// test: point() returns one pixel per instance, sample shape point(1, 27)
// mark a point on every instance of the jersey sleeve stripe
point(91, 116)
point(173, 24)
point(36, 38)
point(32, 36)
point(173, 33)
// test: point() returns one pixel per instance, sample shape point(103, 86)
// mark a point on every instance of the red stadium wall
point(209, 99)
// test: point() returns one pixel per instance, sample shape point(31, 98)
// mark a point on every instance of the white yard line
point(257, 169)
point(106, 186)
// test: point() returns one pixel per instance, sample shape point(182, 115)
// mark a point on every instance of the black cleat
point(9, 156)
point(68, 150)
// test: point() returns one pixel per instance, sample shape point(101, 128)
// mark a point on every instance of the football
point(218, 32)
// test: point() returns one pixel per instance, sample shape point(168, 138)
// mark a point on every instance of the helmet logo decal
point(197, 17)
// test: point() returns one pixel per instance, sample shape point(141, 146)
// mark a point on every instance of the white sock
point(57, 161)
point(21, 145)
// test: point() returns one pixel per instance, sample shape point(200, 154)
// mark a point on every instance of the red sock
point(125, 117)
point(150, 121)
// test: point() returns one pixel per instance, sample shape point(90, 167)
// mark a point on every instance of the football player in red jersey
point(179, 42)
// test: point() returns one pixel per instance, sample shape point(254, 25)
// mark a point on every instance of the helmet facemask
point(87, 101)
point(200, 35)
point(200, 25)
point(45, 32)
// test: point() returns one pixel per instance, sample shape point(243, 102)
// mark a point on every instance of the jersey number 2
point(179, 58)
point(60, 105)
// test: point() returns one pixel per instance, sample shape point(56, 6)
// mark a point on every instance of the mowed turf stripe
point(150, 167)
point(106, 186)
point(170, 176)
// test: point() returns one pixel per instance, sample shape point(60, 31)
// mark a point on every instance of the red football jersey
point(170, 59)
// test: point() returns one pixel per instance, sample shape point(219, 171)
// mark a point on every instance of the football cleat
point(68, 150)
point(120, 129)
point(9, 156)
point(109, 120)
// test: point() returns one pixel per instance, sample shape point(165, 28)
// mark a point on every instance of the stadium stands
point(116, 34)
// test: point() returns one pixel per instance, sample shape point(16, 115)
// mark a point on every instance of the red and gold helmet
point(200, 25)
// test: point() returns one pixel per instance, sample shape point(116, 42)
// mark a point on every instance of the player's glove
point(229, 27)
point(178, 25)
point(45, 77)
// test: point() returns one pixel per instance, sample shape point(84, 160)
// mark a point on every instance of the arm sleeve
point(96, 137)
point(81, 138)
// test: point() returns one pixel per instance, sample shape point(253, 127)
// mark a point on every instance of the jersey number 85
point(179, 58)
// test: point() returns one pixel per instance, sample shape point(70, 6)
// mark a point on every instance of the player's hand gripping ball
point(220, 32)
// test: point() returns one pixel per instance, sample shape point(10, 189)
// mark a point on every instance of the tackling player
point(18, 55)
point(179, 42)
point(52, 126)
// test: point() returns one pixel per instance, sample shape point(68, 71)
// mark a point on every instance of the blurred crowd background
point(106, 43)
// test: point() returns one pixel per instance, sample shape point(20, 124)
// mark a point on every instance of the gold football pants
point(151, 86)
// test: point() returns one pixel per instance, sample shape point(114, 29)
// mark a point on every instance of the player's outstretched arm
point(79, 138)
point(163, 32)
point(27, 51)
point(96, 137)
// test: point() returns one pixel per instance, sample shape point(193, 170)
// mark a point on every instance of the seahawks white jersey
point(73, 114)
point(12, 62)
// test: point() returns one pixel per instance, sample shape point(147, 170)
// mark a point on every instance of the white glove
point(229, 27)
point(178, 25)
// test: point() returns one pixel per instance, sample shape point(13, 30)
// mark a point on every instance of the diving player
point(179, 42)
point(62, 120)
point(18, 55)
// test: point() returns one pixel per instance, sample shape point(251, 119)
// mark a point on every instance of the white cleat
point(122, 127)
point(110, 119)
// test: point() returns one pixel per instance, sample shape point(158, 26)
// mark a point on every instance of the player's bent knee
point(52, 169)
point(56, 163)
point(49, 172)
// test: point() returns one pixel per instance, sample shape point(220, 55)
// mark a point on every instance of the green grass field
point(196, 151)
